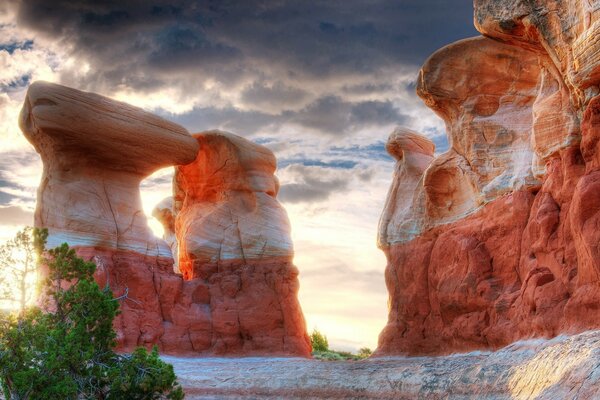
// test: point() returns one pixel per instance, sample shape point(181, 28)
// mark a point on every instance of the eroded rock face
point(484, 90)
point(500, 256)
point(401, 220)
point(95, 152)
point(234, 236)
point(226, 205)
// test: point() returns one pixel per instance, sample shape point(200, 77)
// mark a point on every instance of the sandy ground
point(561, 368)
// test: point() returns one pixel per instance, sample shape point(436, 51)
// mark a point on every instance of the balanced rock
point(400, 220)
point(96, 151)
point(234, 237)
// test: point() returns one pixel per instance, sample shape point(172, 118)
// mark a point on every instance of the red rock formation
point(234, 235)
point(523, 261)
point(95, 152)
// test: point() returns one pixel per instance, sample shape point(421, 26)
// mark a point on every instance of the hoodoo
point(96, 151)
point(502, 243)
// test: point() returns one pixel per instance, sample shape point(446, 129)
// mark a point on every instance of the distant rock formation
point(403, 213)
point(96, 151)
point(505, 244)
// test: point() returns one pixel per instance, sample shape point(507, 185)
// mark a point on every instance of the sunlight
point(18, 273)
point(546, 369)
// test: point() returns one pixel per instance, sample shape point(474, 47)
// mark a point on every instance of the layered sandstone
point(233, 234)
point(96, 151)
point(226, 205)
point(402, 216)
point(507, 247)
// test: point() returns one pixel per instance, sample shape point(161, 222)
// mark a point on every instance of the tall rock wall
point(507, 241)
point(96, 151)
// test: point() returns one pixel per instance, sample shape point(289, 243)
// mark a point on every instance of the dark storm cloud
point(215, 38)
point(312, 184)
point(328, 115)
point(228, 119)
point(274, 96)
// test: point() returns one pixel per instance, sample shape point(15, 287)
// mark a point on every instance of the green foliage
point(321, 350)
point(141, 375)
point(318, 341)
point(66, 351)
point(334, 355)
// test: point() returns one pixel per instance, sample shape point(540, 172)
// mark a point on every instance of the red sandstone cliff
point(96, 151)
point(505, 238)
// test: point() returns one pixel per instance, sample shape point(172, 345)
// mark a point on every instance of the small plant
point(321, 350)
point(364, 352)
point(318, 341)
point(65, 350)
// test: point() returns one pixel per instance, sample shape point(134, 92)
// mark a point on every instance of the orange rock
point(566, 32)
point(235, 236)
point(226, 204)
point(484, 90)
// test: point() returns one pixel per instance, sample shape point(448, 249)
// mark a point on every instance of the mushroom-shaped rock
point(401, 220)
point(95, 152)
point(226, 206)
point(484, 90)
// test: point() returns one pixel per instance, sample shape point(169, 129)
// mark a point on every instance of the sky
point(321, 83)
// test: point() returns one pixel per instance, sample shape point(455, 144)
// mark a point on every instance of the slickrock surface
point(506, 243)
point(96, 151)
point(562, 368)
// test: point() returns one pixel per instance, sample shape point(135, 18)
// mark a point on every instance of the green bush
point(65, 350)
point(364, 352)
point(318, 341)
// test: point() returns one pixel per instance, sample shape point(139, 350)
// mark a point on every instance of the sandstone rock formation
point(226, 206)
point(506, 245)
point(234, 235)
point(94, 163)
point(402, 219)
point(95, 152)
